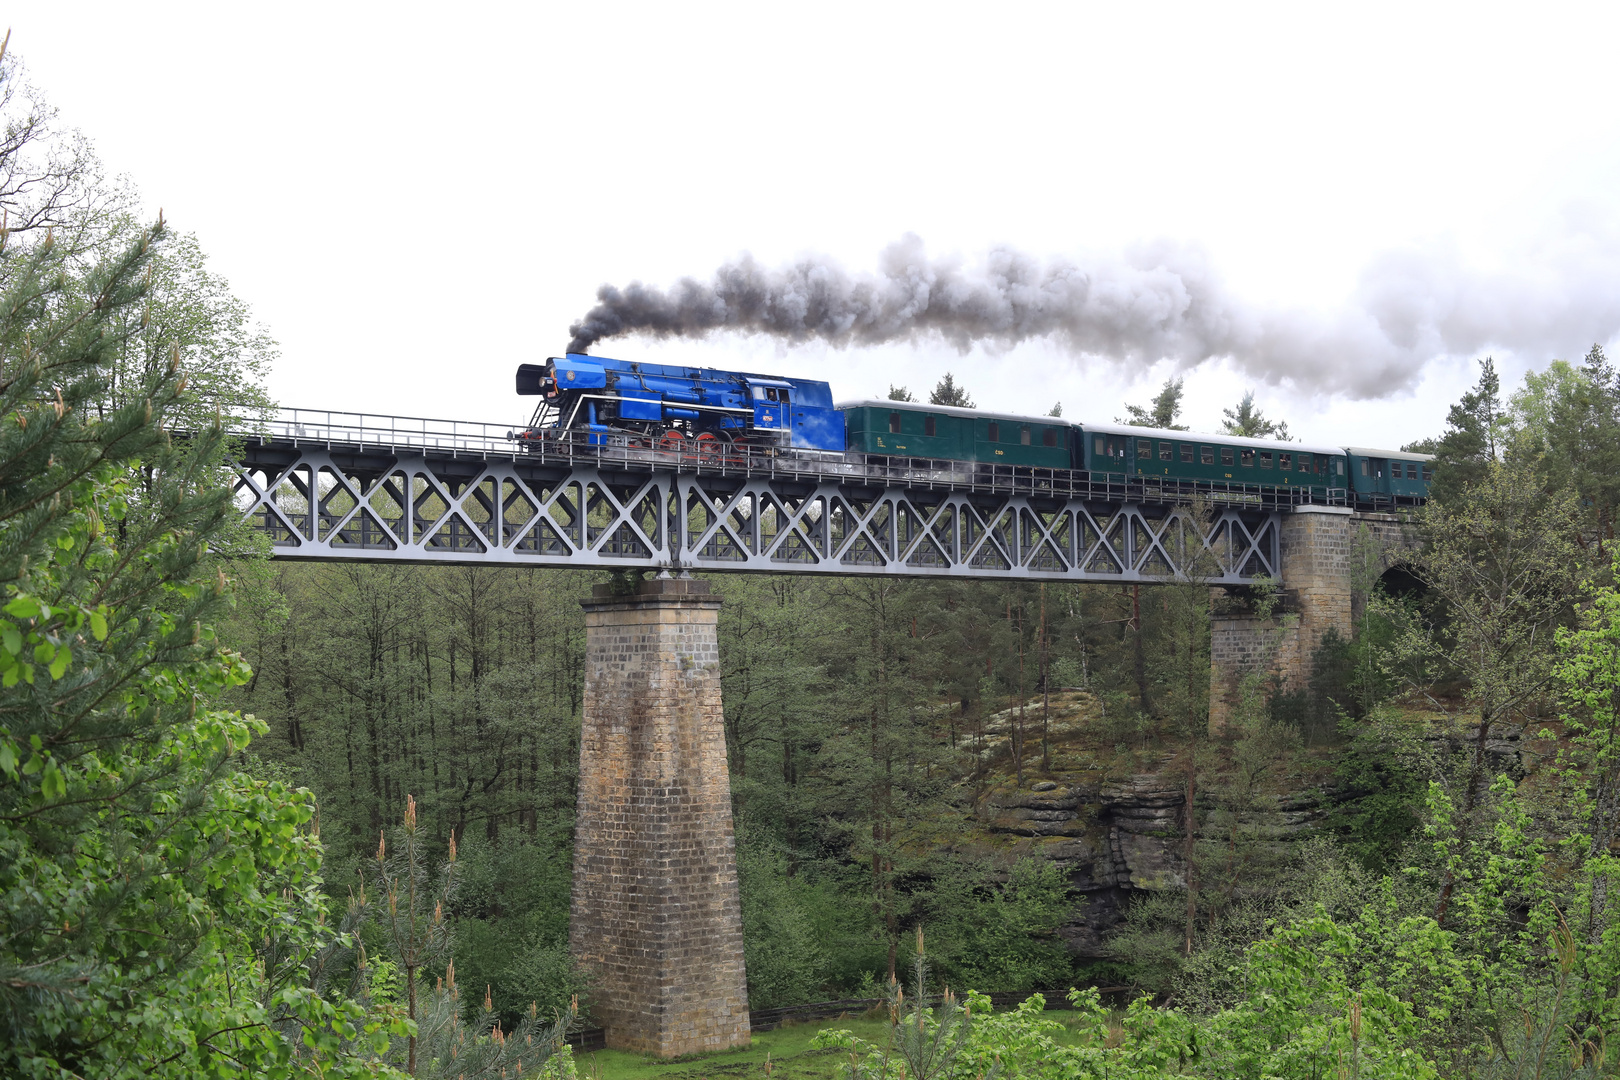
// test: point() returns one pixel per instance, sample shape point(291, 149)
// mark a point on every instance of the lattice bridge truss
point(327, 498)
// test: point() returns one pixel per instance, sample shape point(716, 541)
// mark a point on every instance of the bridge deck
point(345, 486)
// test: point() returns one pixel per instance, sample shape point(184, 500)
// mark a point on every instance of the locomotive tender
point(704, 411)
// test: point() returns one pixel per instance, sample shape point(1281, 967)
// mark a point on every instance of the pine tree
point(1473, 438)
point(1248, 421)
point(946, 392)
point(1163, 411)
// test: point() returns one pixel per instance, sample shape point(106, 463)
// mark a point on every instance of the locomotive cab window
point(1206, 455)
point(1248, 458)
point(1023, 435)
point(928, 426)
point(1144, 449)
point(894, 423)
point(1186, 452)
point(1226, 456)
point(1049, 437)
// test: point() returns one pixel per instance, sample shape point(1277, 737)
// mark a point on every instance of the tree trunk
point(1191, 829)
point(1139, 651)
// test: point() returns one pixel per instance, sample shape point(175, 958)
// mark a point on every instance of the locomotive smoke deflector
point(531, 380)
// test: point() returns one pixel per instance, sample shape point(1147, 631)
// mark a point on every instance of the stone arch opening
point(1402, 582)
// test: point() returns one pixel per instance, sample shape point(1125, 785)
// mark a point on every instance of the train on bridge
point(706, 414)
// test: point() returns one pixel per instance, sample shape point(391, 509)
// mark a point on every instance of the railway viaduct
point(1328, 557)
point(655, 906)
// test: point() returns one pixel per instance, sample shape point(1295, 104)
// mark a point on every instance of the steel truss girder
point(407, 507)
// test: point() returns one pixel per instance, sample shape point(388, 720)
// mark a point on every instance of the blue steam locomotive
point(711, 414)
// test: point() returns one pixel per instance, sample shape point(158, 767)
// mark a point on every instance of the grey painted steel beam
point(479, 501)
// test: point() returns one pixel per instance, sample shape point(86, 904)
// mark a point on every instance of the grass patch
point(789, 1048)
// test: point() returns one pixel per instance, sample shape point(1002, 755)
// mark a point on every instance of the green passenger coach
point(1388, 478)
point(907, 429)
point(1221, 460)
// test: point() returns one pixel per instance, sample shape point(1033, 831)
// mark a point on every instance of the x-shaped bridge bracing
point(425, 505)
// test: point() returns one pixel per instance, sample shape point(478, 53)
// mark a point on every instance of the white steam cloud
point(1161, 302)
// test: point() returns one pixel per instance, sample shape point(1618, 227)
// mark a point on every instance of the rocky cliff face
point(1117, 836)
point(1119, 833)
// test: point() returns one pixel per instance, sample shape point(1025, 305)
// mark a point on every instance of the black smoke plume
point(1160, 302)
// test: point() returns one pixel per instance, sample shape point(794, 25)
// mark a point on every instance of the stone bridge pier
point(1318, 558)
point(656, 918)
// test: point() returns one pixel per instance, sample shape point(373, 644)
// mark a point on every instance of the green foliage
point(947, 392)
point(144, 885)
point(1476, 429)
point(785, 950)
point(1161, 412)
point(923, 1044)
point(452, 1048)
point(1379, 786)
point(413, 915)
point(511, 922)
point(1004, 938)
point(1248, 421)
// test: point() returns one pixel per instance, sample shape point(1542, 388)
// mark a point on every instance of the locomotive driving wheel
point(672, 442)
point(709, 447)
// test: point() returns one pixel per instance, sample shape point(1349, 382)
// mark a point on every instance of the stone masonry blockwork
point(656, 917)
point(1318, 549)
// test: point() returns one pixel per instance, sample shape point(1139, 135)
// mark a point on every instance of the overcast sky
point(416, 198)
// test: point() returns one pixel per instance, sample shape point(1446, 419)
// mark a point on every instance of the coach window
point(1023, 435)
point(1411, 470)
point(1428, 473)
point(1248, 458)
point(1049, 437)
point(1206, 455)
point(928, 426)
point(1144, 448)
point(894, 423)
point(1167, 451)
point(993, 434)
point(1365, 471)
point(1226, 456)
point(1187, 452)
point(1285, 462)
point(1304, 463)
point(1097, 445)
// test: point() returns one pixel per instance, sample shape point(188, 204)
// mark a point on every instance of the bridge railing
point(332, 429)
point(328, 427)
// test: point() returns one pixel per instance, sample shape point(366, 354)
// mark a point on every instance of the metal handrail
point(566, 447)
